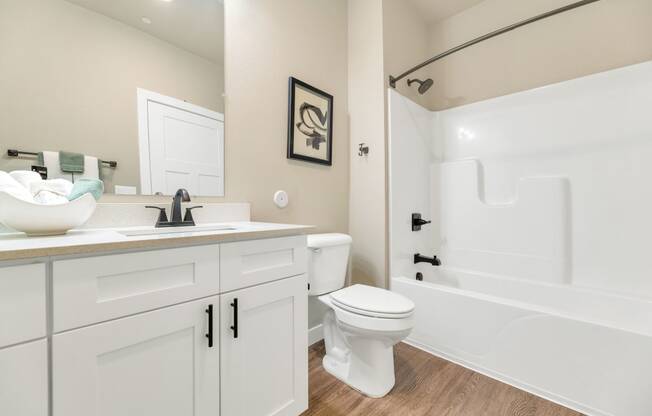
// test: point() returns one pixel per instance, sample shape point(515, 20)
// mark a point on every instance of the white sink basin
point(176, 230)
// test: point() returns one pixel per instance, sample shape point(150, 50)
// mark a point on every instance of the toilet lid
point(373, 301)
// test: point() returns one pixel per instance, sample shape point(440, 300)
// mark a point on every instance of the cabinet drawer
point(22, 303)
point(249, 263)
point(96, 289)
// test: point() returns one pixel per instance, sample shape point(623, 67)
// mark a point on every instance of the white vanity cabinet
point(23, 343)
point(265, 349)
point(159, 363)
point(206, 330)
point(24, 379)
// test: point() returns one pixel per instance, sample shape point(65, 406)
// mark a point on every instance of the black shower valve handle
point(417, 222)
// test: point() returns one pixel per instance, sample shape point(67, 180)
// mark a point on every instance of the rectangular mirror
point(135, 86)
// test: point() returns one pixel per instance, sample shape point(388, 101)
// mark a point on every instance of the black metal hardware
point(209, 311)
point(393, 80)
point(234, 327)
point(424, 85)
point(41, 170)
point(181, 196)
point(162, 216)
point(419, 276)
point(188, 217)
point(417, 222)
point(418, 258)
point(363, 150)
point(18, 153)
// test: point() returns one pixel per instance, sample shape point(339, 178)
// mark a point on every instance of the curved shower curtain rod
point(393, 80)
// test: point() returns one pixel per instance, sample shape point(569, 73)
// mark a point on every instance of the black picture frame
point(318, 134)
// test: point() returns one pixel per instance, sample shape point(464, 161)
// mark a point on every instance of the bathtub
point(585, 349)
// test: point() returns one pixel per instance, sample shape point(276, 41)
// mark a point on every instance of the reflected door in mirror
point(183, 144)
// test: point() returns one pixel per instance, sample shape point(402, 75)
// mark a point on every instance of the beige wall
point(594, 38)
point(385, 37)
point(68, 80)
point(266, 42)
point(367, 214)
point(405, 43)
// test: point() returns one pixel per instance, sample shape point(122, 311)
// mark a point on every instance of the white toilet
point(363, 323)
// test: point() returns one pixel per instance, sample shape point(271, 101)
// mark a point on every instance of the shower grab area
point(541, 209)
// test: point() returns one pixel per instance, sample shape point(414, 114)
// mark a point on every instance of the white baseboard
point(315, 334)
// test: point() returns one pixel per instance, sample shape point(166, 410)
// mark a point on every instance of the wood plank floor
point(425, 385)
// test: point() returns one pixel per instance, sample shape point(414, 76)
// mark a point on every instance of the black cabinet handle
point(235, 318)
point(209, 311)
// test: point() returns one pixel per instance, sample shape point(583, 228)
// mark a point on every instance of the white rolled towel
point(26, 177)
point(14, 188)
point(60, 187)
point(50, 198)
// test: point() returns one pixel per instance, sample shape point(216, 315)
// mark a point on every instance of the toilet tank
point(328, 257)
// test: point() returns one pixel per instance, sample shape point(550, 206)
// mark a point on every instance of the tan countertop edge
point(161, 242)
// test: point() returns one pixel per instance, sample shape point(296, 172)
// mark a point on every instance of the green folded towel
point(71, 162)
point(84, 186)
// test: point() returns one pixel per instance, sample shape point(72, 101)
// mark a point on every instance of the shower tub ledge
point(584, 349)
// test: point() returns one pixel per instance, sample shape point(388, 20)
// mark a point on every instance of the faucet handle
point(162, 216)
point(188, 217)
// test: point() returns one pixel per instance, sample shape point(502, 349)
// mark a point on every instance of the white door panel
point(181, 145)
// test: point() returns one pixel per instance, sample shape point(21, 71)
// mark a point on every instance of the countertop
point(17, 246)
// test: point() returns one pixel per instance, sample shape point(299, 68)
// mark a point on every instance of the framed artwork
point(310, 124)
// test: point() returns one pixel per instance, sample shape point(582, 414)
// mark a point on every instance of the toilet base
point(361, 359)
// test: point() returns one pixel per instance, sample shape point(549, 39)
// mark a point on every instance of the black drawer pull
point(235, 318)
point(209, 311)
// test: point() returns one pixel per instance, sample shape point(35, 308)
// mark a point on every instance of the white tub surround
point(107, 321)
point(541, 218)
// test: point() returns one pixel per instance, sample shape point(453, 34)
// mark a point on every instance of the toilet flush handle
point(315, 249)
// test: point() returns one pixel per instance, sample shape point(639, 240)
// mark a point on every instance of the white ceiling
point(194, 25)
point(436, 10)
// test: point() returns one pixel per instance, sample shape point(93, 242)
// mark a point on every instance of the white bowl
point(39, 219)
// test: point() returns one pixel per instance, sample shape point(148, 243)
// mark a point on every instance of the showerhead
point(423, 85)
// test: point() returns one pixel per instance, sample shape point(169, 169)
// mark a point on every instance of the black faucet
point(176, 221)
point(418, 258)
point(180, 196)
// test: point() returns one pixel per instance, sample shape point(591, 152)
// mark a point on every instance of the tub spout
point(418, 258)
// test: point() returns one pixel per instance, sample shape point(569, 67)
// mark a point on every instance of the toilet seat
point(368, 323)
point(372, 302)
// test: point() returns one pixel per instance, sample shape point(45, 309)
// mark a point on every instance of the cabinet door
point(153, 364)
point(265, 368)
point(24, 379)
